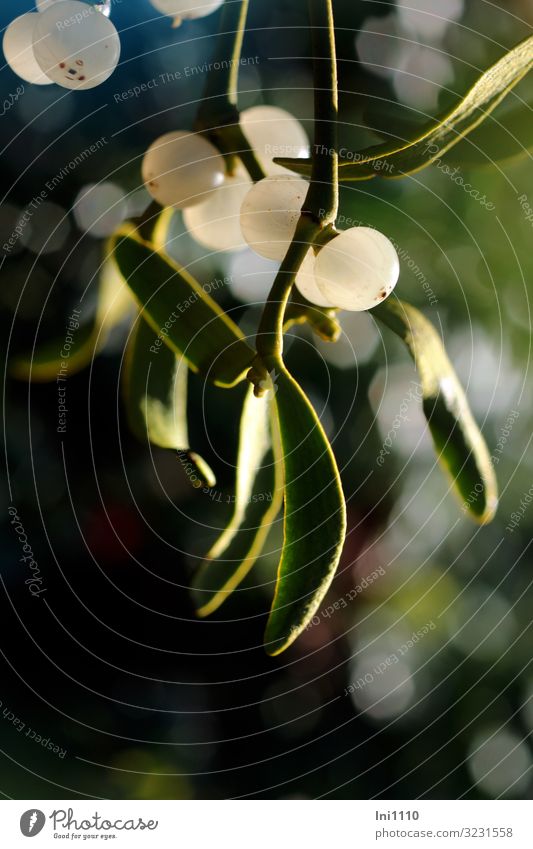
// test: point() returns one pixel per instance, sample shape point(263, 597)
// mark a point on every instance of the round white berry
point(358, 269)
point(270, 213)
point(75, 45)
point(18, 49)
point(216, 223)
point(181, 169)
point(100, 208)
point(182, 10)
point(306, 283)
point(274, 132)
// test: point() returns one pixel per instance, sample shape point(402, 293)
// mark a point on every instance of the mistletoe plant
point(291, 217)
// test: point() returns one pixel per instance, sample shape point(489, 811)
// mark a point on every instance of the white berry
point(270, 213)
point(75, 45)
point(182, 10)
point(18, 49)
point(181, 169)
point(100, 208)
point(358, 269)
point(306, 283)
point(215, 223)
point(274, 132)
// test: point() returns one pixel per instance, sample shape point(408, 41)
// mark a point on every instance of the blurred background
point(415, 678)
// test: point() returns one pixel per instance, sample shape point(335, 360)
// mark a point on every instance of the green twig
point(322, 201)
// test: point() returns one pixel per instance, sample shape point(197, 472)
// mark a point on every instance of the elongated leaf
point(460, 447)
point(182, 312)
point(79, 344)
point(397, 159)
point(155, 390)
point(258, 500)
point(315, 516)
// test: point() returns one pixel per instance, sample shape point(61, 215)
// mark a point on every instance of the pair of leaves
point(460, 446)
point(314, 520)
point(182, 312)
point(398, 159)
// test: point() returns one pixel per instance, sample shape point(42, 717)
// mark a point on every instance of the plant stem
point(321, 203)
point(218, 115)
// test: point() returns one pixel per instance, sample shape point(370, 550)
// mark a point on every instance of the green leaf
point(182, 312)
point(500, 140)
point(315, 516)
point(155, 390)
point(258, 500)
point(460, 447)
point(397, 159)
point(87, 341)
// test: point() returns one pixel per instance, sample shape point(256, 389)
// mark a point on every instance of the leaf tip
point(490, 508)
